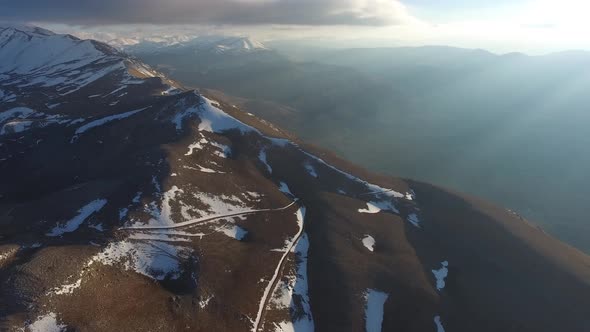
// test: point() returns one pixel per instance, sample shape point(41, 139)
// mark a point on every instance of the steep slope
point(132, 204)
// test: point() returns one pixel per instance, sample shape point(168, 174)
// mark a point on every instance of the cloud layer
point(231, 12)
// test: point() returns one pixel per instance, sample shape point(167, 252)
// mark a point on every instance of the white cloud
point(533, 27)
point(227, 12)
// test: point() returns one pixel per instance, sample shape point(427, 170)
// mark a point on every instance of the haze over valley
point(510, 128)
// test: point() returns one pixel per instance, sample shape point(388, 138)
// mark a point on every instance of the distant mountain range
point(132, 203)
point(203, 44)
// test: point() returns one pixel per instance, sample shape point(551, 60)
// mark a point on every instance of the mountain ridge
point(251, 229)
point(329, 97)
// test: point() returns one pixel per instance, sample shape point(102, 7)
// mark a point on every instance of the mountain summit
point(130, 203)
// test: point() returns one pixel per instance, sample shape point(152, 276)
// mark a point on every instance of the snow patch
point(310, 170)
point(233, 231)
point(180, 116)
point(223, 151)
point(262, 158)
point(67, 289)
point(196, 146)
point(7, 97)
point(75, 222)
point(17, 112)
point(369, 242)
point(219, 205)
point(254, 195)
point(204, 302)
point(89, 77)
point(284, 188)
point(215, 120)
point(371, 208)
point(440, 275)
point(162, 215)
point(171, 91)
point(378, 206)
point(137, 197)
point(114, 91)
point(155, 260)
point(46, 323)
point(375, 300)
point(14, 127)
point(98, 227)
point(105, 120)
point(123, 213)
point(203, 169)
point(384, 194)
point(414, 220)
point(438, 323)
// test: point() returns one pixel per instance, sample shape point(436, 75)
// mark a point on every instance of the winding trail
point(208, 218)
point(272, 283)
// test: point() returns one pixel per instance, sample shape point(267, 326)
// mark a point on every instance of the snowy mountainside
point(35, 61)
point(29, 50)
point(130, 203)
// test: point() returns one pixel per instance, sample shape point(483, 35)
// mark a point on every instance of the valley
point(474, 114)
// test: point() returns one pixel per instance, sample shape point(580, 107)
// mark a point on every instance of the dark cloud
point(233, 12)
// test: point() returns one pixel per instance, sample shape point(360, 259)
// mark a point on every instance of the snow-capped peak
point(35, 57)
point(224, 44)
point(123, 42)
point(202, 44)
point(24, 29)
point(24, 49)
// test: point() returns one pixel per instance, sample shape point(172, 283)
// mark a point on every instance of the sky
point(529, 26)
